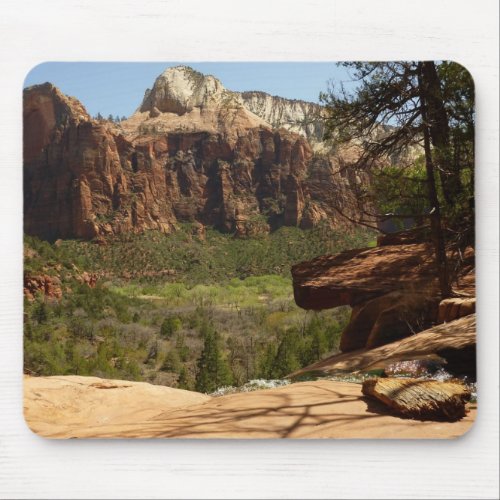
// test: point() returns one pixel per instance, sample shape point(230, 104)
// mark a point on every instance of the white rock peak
point(183, 99)
point(179, 89)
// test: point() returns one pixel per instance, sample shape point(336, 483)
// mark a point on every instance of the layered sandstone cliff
point(192, 152)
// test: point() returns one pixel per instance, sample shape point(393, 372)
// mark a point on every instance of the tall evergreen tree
point(266, 359)
point(400, 105)
point(172, 362)
point(319, 341)
point(213, 370)
point(287, 356)
point(184, 381)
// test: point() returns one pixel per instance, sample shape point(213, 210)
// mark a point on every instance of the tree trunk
point(435, 217)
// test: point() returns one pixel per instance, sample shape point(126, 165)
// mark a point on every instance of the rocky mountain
point(184, 100)
point(192, 101)
point(297, 116)
point(193, 151)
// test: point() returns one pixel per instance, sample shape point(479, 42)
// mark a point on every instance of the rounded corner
point(30, 428)
point(472, 426)
point(33, 68)
point(465, 68)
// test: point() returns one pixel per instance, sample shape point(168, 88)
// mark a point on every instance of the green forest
point(221, 315)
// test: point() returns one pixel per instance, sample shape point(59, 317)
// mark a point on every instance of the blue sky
point(118, 88)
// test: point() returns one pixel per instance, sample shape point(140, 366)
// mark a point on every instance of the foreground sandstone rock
point(79, 407)
point(393, 290)
point(458, 336)
point(55, 406)
point(420, 399)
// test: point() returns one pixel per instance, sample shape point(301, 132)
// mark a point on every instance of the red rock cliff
point(191, 152)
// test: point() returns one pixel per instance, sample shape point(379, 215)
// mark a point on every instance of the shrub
point(172, 362)
point(185, 381)
point(169, 326)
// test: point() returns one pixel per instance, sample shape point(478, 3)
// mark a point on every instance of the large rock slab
point(457, 335)
point(54, 407)
point(356, 276)
point(420, 399)
point(393, 289)
point(61, 406)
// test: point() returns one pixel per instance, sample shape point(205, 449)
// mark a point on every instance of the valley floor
point(89, 407)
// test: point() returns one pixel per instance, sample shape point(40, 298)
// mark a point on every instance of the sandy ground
point(82, 407)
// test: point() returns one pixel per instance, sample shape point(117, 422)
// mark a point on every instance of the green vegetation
point(206, 323)
point(213, 370)
point(180, 257)
point(402, 190)
point(169, 326)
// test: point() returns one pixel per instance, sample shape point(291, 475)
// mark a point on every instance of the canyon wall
point(193, 151)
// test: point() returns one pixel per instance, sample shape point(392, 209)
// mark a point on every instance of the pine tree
point(172, 361)
point(40, 312)
point(318, 340)
point(184, 380)
point(213, 370)
point(266, 361)
point(286, 360)
point(397, 105)
point(169, 326)
point(181, 347)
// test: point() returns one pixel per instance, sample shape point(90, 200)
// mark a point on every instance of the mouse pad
point(249, 250)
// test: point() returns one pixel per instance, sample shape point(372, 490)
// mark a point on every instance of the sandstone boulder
point(44, 284)
point(456, 307)
point(357, 276)
point(387, 318)
point(430, 346)
point(393, 289)
point(413, 313)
